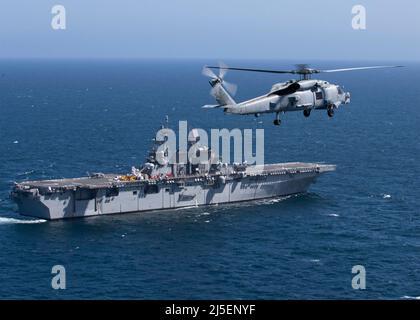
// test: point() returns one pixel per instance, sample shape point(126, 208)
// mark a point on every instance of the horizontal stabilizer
point(215, 106)
point(211, 106)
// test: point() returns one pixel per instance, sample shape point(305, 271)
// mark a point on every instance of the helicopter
point(305, 94)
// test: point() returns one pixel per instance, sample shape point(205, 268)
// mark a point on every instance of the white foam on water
point(185, 208)
point(4, 220)
point(410, 297)
point(26, 173)
point(273, 201)
point(387, 196)
point(333, 215)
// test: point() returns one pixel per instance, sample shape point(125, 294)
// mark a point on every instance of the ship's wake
point(6, 220)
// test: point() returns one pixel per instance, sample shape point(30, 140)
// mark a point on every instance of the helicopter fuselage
point(312, 94)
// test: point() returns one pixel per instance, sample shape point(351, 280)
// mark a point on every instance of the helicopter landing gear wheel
point(330, 112)
point(307, 112)
point(277, 121)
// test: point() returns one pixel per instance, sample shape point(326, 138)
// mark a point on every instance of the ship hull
point(128, 198)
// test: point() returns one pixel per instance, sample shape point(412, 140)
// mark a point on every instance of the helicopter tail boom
point(221, 95)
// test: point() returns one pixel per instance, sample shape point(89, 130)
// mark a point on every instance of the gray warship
point(157, 186)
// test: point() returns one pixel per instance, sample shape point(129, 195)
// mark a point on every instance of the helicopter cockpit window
point(319, 95)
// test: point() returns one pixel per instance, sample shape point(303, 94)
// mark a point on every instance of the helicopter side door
point(301, 100)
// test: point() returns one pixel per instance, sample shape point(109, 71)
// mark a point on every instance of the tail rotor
point(215, 79)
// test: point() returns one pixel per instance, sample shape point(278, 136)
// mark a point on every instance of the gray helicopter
point(304, 95)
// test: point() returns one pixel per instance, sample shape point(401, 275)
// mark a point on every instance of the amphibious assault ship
point(158, 185)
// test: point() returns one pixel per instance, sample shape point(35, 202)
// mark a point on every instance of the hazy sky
point(280, 29)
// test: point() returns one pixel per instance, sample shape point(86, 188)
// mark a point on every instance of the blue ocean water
point(63, 118)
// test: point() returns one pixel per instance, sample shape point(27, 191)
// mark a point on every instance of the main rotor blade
point(358, 68)
point(252, 70)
